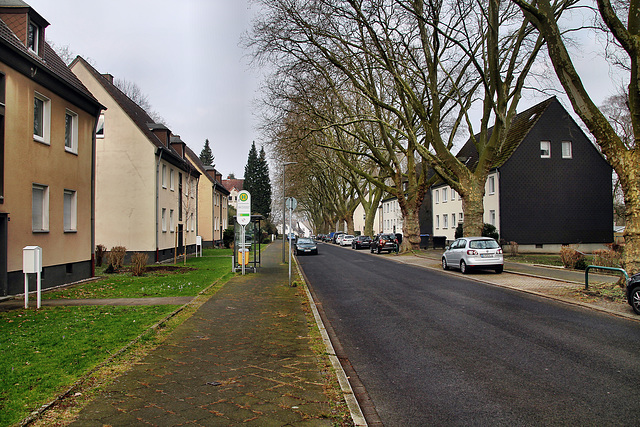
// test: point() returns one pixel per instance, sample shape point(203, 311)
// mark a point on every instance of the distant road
point(435, 349)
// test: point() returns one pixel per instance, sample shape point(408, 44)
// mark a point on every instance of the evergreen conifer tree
point(206, 156)
point(257, 182)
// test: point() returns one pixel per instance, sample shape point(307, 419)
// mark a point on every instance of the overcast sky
point(183, 54)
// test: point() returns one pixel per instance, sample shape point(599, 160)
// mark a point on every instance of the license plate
point(307, 250)
point(486, 255)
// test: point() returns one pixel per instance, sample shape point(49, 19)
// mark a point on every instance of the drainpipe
point(93, 196)
point(158, 203)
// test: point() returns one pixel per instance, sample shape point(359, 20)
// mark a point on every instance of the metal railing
point(586, 273)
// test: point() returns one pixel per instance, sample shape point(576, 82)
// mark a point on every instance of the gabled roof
point(54, 73)
point(230, 184)
point(137, 114)
point(521, 125)
point(195, 159)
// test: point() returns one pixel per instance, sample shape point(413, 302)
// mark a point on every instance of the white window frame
point(43, 207)
point(492, 217)
point(164, 176)
point(171, 223)
point(437, 192)
point(445, 221)
point(445, 192)
point(36, 37)
point(100, 127)
point(453, 221)
point(172, 180)
point(193, 223)
point(545, 146)
point(45, 117)
point(70, 212)
point(164, 220)
point(565, 154)
point(437, 221)
point(492, 185)
point(73, 138)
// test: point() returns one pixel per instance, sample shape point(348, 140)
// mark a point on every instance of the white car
point(346, 240)
point(473, 252)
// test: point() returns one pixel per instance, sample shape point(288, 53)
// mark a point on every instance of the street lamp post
point(284, 203)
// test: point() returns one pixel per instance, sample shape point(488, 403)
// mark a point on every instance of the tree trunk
point(350, 227)
point(369, 222)
point(473, 210)
point(631, 188)
point(411, 230)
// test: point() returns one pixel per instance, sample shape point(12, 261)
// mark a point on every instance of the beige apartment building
point(47, 124)
point(146, 189)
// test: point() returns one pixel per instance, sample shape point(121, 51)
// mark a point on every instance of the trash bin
point(243, 259)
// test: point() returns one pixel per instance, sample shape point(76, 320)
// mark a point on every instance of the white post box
point(32, 263)
point(198, 245)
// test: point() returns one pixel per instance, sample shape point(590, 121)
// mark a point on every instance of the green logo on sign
point(243, 197)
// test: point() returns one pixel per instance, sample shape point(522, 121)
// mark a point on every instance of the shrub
point(488, 230)
point(572, 258)
point(139, 263)
point(513, 246)
point(227, 237)
point(116, 256)
point(100, 251)
point(606, 258)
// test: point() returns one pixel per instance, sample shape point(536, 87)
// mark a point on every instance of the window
point(40, 208)
point(437, 196)
point(33, 37)
point(566, 150)
point(100, 127)
point(445, 221)
point(444, 195)
point(460, 217)
point(171, 220)
point(171, 180)
point(164, 176)
point(70, 213)
point(193, 223)
point(437, 221)
point(453, 221)
point(545, 149)
point(71, 131)
point(453, 194)
point(492, 217)
point(164, 220)
point(41, 114)
point(492, 185)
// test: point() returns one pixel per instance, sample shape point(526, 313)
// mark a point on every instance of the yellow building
point(47, 141)
point(212, 203)
point(145, 187)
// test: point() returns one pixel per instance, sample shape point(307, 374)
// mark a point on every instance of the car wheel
point(499, 269)
point(463, 267)
point(634, 298)
point(444, 264)
point(379, 250)
point(371, 249)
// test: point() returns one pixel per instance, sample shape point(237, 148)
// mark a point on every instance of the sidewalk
point(556, 283)
point(244, 358)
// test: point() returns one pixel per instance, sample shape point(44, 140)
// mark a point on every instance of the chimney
point(109, 77)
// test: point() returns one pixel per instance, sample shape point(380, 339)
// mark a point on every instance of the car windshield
point(388, 237)
point(348, 236)
point(304, 240)
point(483, 244)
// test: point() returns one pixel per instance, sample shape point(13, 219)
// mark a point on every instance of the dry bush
point(116, 256)
point(100, 252)
point(572, 258)
point(139, 263)
point(606, 258)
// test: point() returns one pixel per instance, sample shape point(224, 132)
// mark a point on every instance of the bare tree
point(135, 93)
point(621, 23)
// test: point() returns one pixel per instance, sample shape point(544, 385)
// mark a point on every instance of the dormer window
point(33, 37)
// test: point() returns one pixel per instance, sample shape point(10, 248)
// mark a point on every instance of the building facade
point(146, 189)
point(47, 125)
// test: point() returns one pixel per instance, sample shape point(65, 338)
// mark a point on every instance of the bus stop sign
point(244, 208)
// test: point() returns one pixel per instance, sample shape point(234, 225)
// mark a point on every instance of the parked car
point(361, 242)
point(346, 239)
point(473, 252)
point(337, 237)
point(305, 245)
point(383, 242)
point(633, 292)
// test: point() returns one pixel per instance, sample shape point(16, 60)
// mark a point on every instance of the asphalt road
point(434, 349)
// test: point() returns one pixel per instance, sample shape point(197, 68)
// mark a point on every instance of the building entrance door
point(4, 226)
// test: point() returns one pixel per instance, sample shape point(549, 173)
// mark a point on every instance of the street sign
point(244, 208)
point(292, 203)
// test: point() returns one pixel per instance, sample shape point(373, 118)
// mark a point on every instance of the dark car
point(304, 245)
point(633, 292)
point(384, 242)
point(361, 242)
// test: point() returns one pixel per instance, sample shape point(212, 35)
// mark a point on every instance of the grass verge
point(46, 351)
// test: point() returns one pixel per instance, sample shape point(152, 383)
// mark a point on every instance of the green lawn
point(45, 351)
